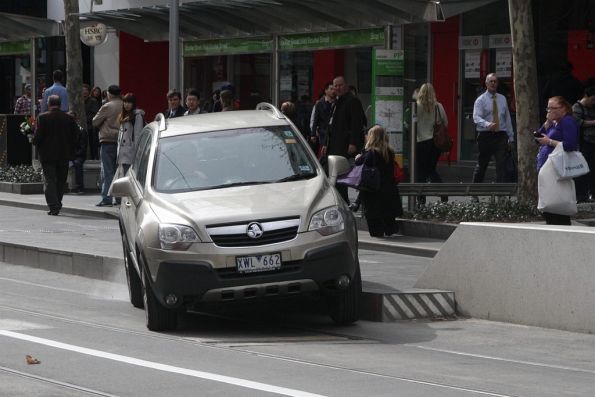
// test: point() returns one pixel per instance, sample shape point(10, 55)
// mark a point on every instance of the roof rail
point(160, 119)
point(273, 109)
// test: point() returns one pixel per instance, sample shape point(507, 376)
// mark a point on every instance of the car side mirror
point(122, 187)
point(337, 165)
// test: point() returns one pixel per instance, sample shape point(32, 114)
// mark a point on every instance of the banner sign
point(228, 46)
point(15, 47)
point(350, 38)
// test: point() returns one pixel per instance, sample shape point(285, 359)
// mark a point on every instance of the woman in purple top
point(560, 128)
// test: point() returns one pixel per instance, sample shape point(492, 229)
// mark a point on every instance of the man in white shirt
point(494, 130)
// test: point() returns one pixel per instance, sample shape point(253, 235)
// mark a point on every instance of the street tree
point(526, 96)
point(74, 62)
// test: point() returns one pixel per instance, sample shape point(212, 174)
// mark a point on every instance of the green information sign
point(228, 46)
point(15, 47)
point(312, 41)
point(387, 93)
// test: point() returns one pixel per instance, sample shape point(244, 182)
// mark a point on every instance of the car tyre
point(135, 289)
point(344, 308)
point(159, 318)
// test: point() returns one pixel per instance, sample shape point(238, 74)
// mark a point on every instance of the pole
point(275, 67)
point(174, 45)
point(413, 141)
point(33, 60)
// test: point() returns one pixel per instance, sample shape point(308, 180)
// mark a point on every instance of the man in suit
point(107, 121)
point(55, 138)
point(174, 102)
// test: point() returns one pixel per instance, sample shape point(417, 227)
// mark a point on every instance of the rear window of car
point(218, 159)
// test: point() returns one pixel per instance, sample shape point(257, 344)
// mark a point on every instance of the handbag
point(362, 177)
point(555, 196)
point(442, 141)
point(568, 165)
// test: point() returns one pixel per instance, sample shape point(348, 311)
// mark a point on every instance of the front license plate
point(258, 263)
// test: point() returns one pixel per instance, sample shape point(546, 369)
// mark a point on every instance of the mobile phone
point(537, 134)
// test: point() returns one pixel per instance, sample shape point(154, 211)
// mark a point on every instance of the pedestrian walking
point(80, 154)
point(132, 121)
point(23, 103)
point(380, 207)
point(174, 103)
point(193, 103)
point(92, 105)
point(494, 130)
point(429, 113)
point(321, 116)
point(560, 128)
point(584, 113)
point(346, 126)
point(106, 120)
point(56, 89)
point(55, 138)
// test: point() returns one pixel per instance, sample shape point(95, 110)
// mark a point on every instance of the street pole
point(275, 67)
point(33, 60)
point(413, 141)
point(174, 45)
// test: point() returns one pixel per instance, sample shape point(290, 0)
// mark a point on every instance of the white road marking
point(9, 324)
point(162, 367)
point(368, 261)
point(42, 286)
point(532, 363)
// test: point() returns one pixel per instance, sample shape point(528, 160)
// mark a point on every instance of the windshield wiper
point(233, 184)
point(297, 177)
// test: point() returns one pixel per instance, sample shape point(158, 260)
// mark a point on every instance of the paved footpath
point(85, 240)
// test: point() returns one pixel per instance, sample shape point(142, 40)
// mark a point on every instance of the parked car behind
point(233, 206)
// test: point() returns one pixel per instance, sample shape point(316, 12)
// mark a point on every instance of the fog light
point(343, 282)
point(171, 300)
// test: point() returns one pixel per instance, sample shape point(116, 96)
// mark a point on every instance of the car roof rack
point(160, 119)
point(271, 108)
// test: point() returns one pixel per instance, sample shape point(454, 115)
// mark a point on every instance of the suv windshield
point(218, 159)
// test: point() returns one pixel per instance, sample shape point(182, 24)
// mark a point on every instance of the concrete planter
point(21, 188)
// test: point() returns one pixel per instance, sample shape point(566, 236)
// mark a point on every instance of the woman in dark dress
point(383, 206)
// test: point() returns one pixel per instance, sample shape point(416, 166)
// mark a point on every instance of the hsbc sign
point(93, 34)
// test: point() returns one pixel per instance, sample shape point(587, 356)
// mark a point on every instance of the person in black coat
point(55, 137)
point(383, 206)
point(175, 108)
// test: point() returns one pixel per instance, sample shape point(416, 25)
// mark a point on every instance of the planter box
point(21, 188)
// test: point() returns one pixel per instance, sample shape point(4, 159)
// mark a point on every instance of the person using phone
point(559, 128)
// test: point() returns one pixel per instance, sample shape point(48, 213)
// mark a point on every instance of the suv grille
point(236, 235)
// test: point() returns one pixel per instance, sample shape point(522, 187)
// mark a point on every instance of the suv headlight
point(327, 221)
point(176, 237)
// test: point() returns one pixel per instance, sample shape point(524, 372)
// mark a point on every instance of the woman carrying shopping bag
point(381, 205)
point(560, 128)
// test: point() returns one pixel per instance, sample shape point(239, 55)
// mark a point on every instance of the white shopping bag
point(555, 196)
point(568, 165)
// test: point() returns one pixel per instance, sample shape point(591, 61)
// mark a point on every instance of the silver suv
point(233, 206)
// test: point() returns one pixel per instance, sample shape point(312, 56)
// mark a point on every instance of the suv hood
point(245, 203)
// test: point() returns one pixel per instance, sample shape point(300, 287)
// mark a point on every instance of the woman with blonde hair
point(429, 112)
point(380, 207)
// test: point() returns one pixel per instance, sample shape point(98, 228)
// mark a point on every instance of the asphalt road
point(91, 342)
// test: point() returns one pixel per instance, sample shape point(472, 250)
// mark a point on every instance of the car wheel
point(158, 317)
point(344, 308)
point(132, 278)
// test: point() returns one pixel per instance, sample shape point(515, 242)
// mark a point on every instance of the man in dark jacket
point(174, 102)
point(55, 138)
point(346, 127)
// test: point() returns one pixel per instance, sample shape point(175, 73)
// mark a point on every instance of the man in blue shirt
point(494, 130)
point(56, 89)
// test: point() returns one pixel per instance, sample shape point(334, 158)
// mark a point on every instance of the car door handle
point(128, 203)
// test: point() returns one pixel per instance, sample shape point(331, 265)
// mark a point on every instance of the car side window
point(142, 141)
point(142, 159)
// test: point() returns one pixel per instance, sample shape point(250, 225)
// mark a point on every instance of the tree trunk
point(526, 94)
point(74, 62)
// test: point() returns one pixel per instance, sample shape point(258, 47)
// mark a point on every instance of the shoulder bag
point(442, 140)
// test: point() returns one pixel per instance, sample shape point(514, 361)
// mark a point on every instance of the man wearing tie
point(175, 108)
point(494, 130)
